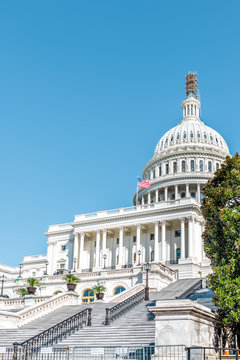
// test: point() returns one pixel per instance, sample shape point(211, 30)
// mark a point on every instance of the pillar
point(187, 190)
point(142, 199)
point(75, 250)
point(104, 241)
point(163, 244)
point(166, 193)
point(156, 251)
point(156, 195)
point(138, 237)
point(81, 250)
point(190, 237)
point(198, 194)
point(176, 192)
point(182, 238)
point(149, 197)
point(98, 234)
point(120, 253)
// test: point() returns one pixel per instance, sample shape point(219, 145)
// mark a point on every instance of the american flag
point(143, 183)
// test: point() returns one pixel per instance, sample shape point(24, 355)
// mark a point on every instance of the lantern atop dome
point(191, 82)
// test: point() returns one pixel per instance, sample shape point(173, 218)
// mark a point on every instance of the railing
point(59, 331)
point(124, 306)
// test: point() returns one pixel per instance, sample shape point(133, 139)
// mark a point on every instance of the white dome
point(191, 132)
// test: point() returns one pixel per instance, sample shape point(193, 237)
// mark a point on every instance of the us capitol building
point(163, 227)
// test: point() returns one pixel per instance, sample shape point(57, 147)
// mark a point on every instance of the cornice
point(148, 212)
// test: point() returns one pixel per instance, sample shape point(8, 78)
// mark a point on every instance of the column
point(81, 265)
point(190, 237)
point(104, 241)
point(156, 250)
point(198, 194)
point(187, 190)
point(176, 192)
point(156, 195)
point(138, 236)
point(182, 238)
point(163, 244)
point(75, 250)
point(97, 264)
point(166, 193)
point(120, 253)
point(142, 199)
point(149, 197)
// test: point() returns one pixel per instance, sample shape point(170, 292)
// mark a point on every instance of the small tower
point(191, 104)
point(191, 82)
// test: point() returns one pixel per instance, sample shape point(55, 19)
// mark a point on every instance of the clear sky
point(87, 88)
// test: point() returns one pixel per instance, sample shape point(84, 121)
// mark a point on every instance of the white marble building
point(163, 226)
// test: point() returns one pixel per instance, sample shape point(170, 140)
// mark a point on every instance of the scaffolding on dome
point(191, 84)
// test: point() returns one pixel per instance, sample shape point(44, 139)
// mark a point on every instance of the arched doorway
point(87, 296)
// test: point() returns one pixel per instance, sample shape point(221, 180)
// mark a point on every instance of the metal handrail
point(124, 306)
point(59, 331)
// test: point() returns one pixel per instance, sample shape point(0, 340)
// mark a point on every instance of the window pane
point(192, 165)
point(183, 166)
point(201, 165)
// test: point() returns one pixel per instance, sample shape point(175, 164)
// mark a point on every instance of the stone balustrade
point(36, 310)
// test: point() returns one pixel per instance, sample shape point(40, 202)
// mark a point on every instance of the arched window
point(183, 195)
point(193, 194)
point(183, 166)
point(57, 292)
point(173, 196)
point(167, 169)
point(201, 165)
point(118, 290)
point(134, 258)
point(184, 136)
point(172, 138)
point(87, 296)
point(192, 165)
point(191, 135)
point(209, 166)
point(178, 136)
point(205, 136)
point(160, 171)
point(198, 135)
point(175, 167)
point(217, 166)
point(117, 259)
point(154, 173)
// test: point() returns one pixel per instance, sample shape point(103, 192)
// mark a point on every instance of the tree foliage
point(71, 279)
point(221, 210)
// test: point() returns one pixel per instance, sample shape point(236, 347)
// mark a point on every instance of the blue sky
point(87, 88)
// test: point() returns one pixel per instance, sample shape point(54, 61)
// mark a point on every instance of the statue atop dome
point(191, 82)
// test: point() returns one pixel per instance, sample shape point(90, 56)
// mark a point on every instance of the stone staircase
point(132, 328)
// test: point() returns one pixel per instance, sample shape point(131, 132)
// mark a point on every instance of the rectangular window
point(62, 266)
point(167, 169)
point(152, 256)
point(160, 171)
point(151, 236)
point(34, 273)
point(117, 241)
point(134, 238)
point(63, 247)
point(177, 233)
point(174, 167)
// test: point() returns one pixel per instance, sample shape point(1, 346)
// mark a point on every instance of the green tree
point(71, 279)
point(32, 282)
point(22, 292)
point(221, 210)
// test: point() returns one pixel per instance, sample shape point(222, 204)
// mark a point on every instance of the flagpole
point(137, 194)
